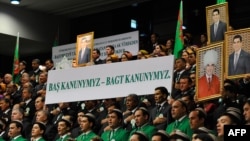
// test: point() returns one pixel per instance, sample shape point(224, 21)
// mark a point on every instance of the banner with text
point(109, 80)
point(126, 41)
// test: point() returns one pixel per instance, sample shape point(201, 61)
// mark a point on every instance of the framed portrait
point(84, 48)
point(209, 72)
point(237, 53)
point(217, 22)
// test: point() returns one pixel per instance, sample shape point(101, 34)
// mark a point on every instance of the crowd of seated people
point(160, 116)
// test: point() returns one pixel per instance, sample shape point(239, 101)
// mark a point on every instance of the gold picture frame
point(222, 15)
point(209, 72)
point(234, 40)
point(84, 48)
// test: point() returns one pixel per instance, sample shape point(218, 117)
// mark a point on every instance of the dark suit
point(99, 61)
point(242, 66)
point(165, 110)
point(86, 56)
point(176, 78)
point(222, 28)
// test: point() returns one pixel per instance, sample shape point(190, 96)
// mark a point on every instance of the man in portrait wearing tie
point(209, 83)
point(84, 52)
point(218, 28)
point(239, 60)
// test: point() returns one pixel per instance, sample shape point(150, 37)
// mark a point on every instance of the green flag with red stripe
point(220, 1)
point(178, 46)
point(16, 58)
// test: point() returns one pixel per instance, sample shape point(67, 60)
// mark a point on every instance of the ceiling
point(69, 9)
point(73, 8)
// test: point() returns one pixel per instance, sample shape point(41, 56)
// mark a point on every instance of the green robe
point(88, 137)
point(148, 129)
point(1, 139)
point(119, 135)
point(182, 125)
point(64, 139)
point(41, 139)
point(20, 138)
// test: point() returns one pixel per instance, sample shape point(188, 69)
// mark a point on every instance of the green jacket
point(20, 138)
point(148, 129)
point(64, 139)
point(119, 135)
point(87, 137)
point(1, 139)
point(41, 139)
point(182, 125)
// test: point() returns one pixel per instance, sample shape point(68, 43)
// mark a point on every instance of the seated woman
point(158, 51)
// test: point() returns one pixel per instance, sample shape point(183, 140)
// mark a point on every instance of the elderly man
point(209, 83)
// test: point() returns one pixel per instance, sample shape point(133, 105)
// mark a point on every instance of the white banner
point(126, 41)
point(109, 80)
point(68, 50)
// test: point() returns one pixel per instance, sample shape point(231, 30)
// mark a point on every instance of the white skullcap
point(210, 57)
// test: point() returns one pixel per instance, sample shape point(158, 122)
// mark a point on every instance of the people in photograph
point(238, 60)
point(218, 28)
point(96, 57)
point(84, 51)
point(209, 83)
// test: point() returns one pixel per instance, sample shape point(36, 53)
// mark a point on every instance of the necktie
point(158, 108)
point(209, 82)
point(236, 56)
point(111, 134)
point(177, 77)
point(176, 124)
point(82, 53)
point(83, 137)
point(215, 28)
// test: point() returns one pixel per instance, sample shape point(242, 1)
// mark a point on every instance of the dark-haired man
point(218, 28)
point(239, 60)
point(87, 124)
point(15, 131)
point(96, 57)
point(117, 133)
point(160, 114)
point(180, 114)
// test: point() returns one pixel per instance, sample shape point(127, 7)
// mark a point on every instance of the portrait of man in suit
point(84, 52)
point(239, 59)
point(217, 28)
point(209, 83)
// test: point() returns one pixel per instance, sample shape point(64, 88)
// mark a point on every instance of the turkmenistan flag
point(178, 46)
point(16, 58)
point(220, 1)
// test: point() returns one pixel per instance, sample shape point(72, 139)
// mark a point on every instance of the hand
point(126, 112)
point(247, 77)
point(129, 118)
point(159, 120)
point(104, 121)
point(147, 103)
point(177, 86)
point(107, 128)
point(55, 112)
